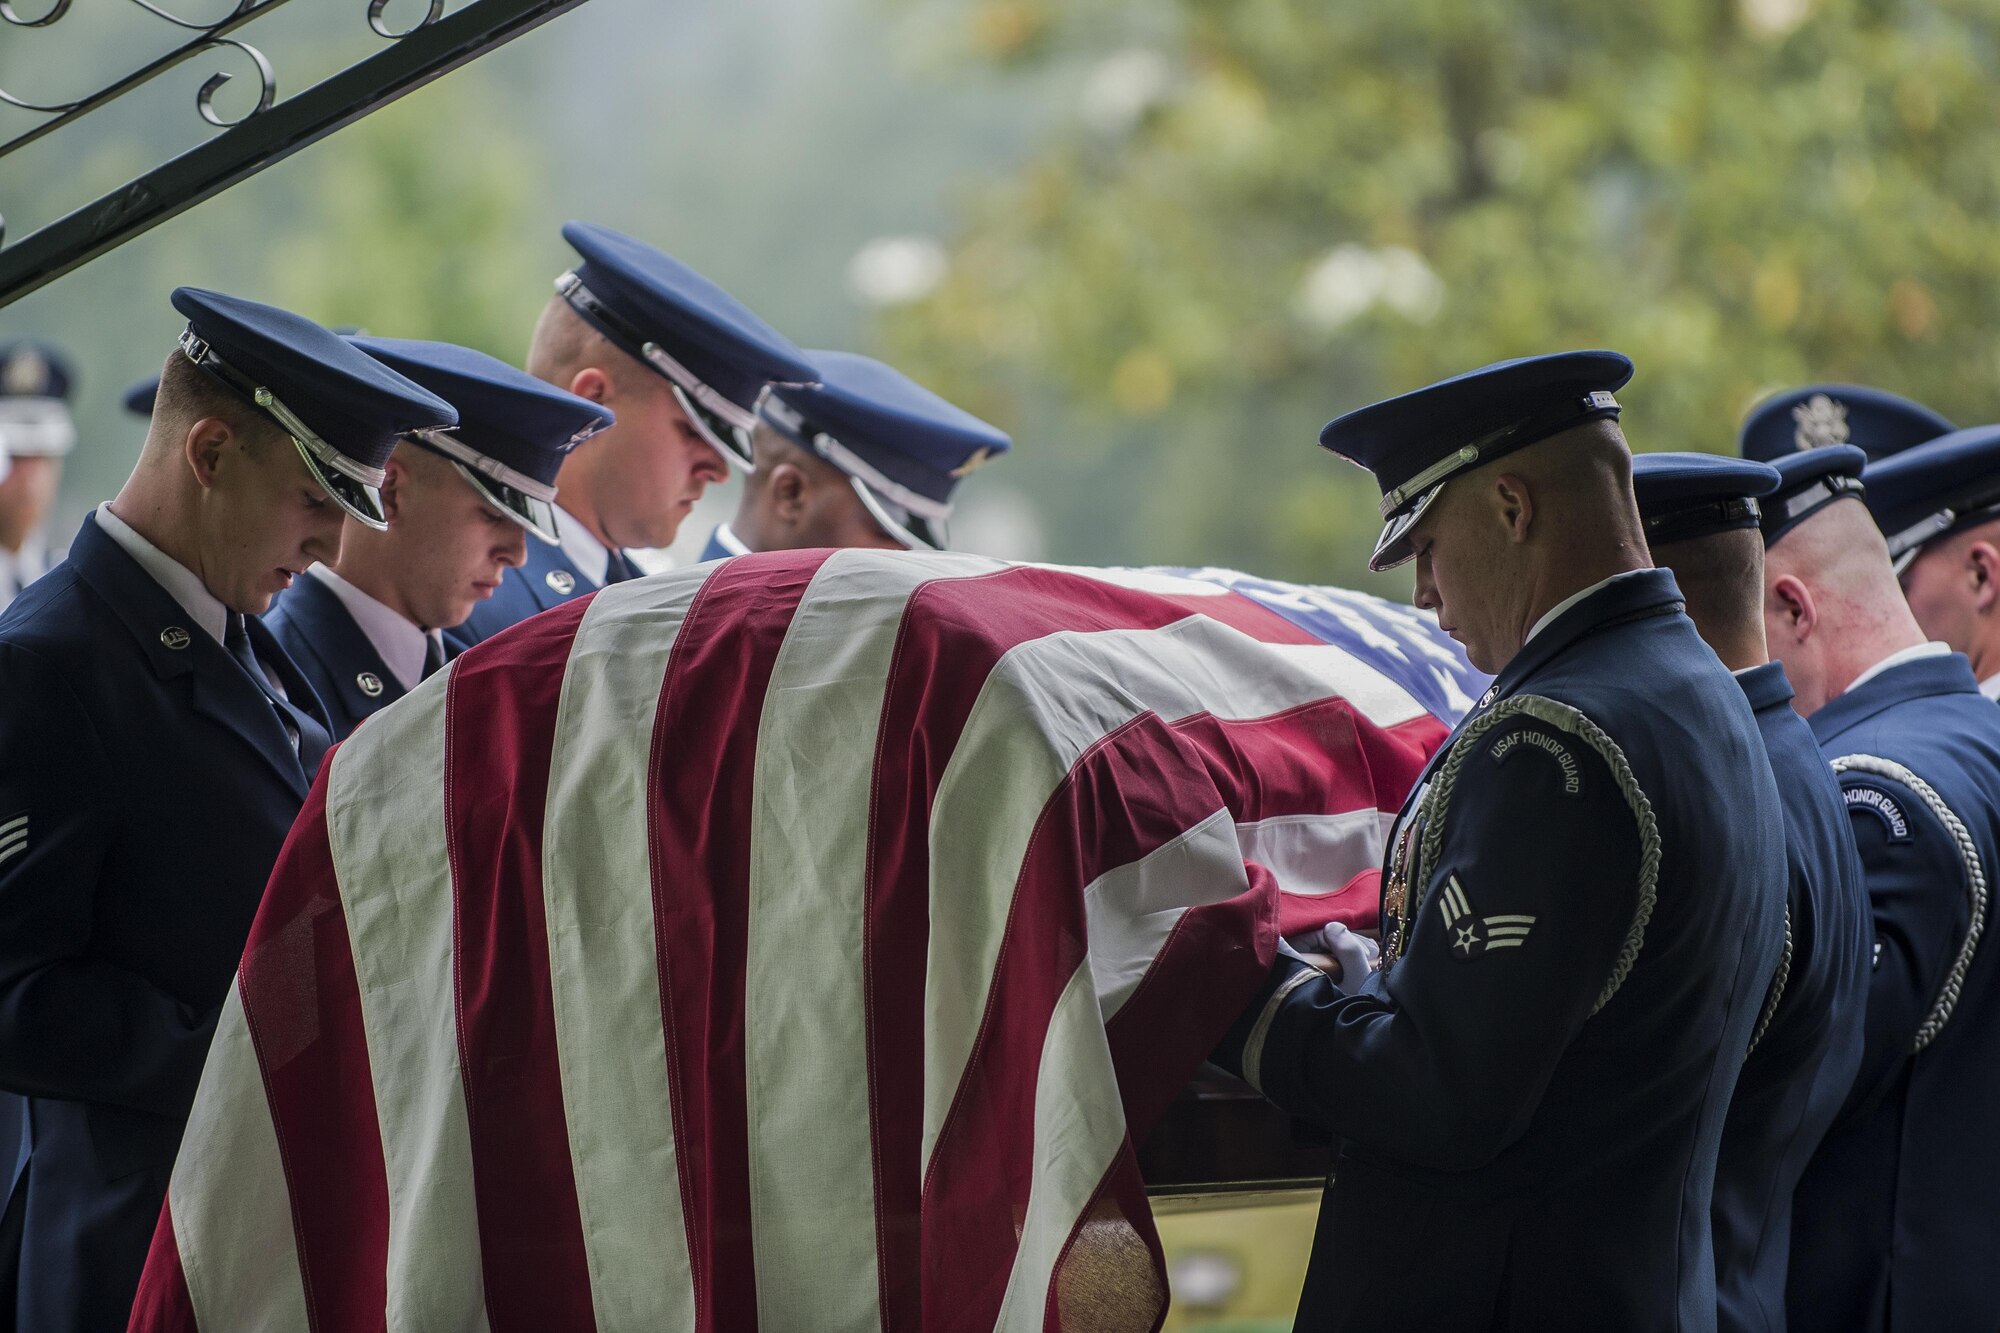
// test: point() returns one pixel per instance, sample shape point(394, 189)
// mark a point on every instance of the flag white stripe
point(1131, 910)
point(604, 972)
point(232, 1210)
point(812, 1180)
point(385, 819)
point(1043, 704)
point(1314, 855)
point(1079, 1131)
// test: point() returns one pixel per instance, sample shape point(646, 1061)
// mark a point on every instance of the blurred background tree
point(1269, 211)
point(1160, 240)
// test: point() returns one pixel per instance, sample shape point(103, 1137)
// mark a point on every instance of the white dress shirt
point(726, 538)
point(1914, 653)
point(1566, 603)
point(591, 557)
point(181, 583)
point(398, 641)
point(1990, 687)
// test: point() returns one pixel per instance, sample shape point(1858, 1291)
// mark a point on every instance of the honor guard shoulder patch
point(1548, 743)
point(1883, 806)
point(13, 837)
point(1471, 935)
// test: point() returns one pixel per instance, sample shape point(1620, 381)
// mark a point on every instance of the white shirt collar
point(726, 538)
point(591, 557)
point(1914, 653)
point(398, 641)
point(1566, 603)
point(1990, 687)
point(181, 583)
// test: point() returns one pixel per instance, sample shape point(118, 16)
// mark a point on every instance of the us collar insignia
point(561, 582)
point(176, 638)
point(370, 683)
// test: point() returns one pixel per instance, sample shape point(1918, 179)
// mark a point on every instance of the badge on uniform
point(1883, 806)
point(561, 582)
point(13, 837)
point(370, 683)
point(1470, 935)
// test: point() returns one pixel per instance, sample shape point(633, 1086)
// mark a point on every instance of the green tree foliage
point(1271, 211)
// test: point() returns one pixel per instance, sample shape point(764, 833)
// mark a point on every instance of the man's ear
point(1792, 602)
point(591, 382)
point(787, 487)
point(1514, 505)
point(395, 476)
point(203, 447)
point(1982, 561)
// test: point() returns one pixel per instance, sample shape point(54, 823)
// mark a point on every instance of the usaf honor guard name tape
point(1975, 881)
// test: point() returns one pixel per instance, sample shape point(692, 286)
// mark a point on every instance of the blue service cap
point(1415, 443)
point(1685, 496)
point(903, 447)
point(35, 381)
point(342, 408)
point(1807, 483)
point(716, 354)
point(513, 429)
point(1819, 415)
point(139, 395)
point(1935, 489)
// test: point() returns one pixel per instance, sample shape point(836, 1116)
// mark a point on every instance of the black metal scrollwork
point(434, 43)
point(208, 35)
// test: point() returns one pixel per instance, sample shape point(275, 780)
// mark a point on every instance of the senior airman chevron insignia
point(1471, 935)
point(13, 836)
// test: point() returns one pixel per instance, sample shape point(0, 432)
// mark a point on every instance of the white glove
point(1355, 953)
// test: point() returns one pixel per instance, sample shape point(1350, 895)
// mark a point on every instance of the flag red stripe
point(701, 779)
point(1137, 789)
point(313, 1052)
point(162, 1304)
point(500, 721)
point(954, 631)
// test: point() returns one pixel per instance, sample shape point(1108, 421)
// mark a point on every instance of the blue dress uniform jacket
point(1897, 1221)
point(545, 579)
point(335, 654)
point(155, 786)
point(1532, 1094)
point(1803, 1060)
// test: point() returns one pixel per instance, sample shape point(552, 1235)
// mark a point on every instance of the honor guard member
point(865, 458)
point(1874, 421)
point(1939, 507)
point(36, 434)
point(681, 363)
point(460, 506)
point(1583, 901)
point(1701, 516)
point(155, 746)
point(1894, 1224)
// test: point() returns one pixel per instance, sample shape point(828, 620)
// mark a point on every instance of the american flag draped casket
point(796, 942)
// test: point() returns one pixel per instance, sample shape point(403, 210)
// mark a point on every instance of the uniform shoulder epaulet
point(1571, 721)
point(1882, 805)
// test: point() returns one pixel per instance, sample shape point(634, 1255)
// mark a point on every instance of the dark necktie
point(619, 569)
point(433, 655)
point(307, 736)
